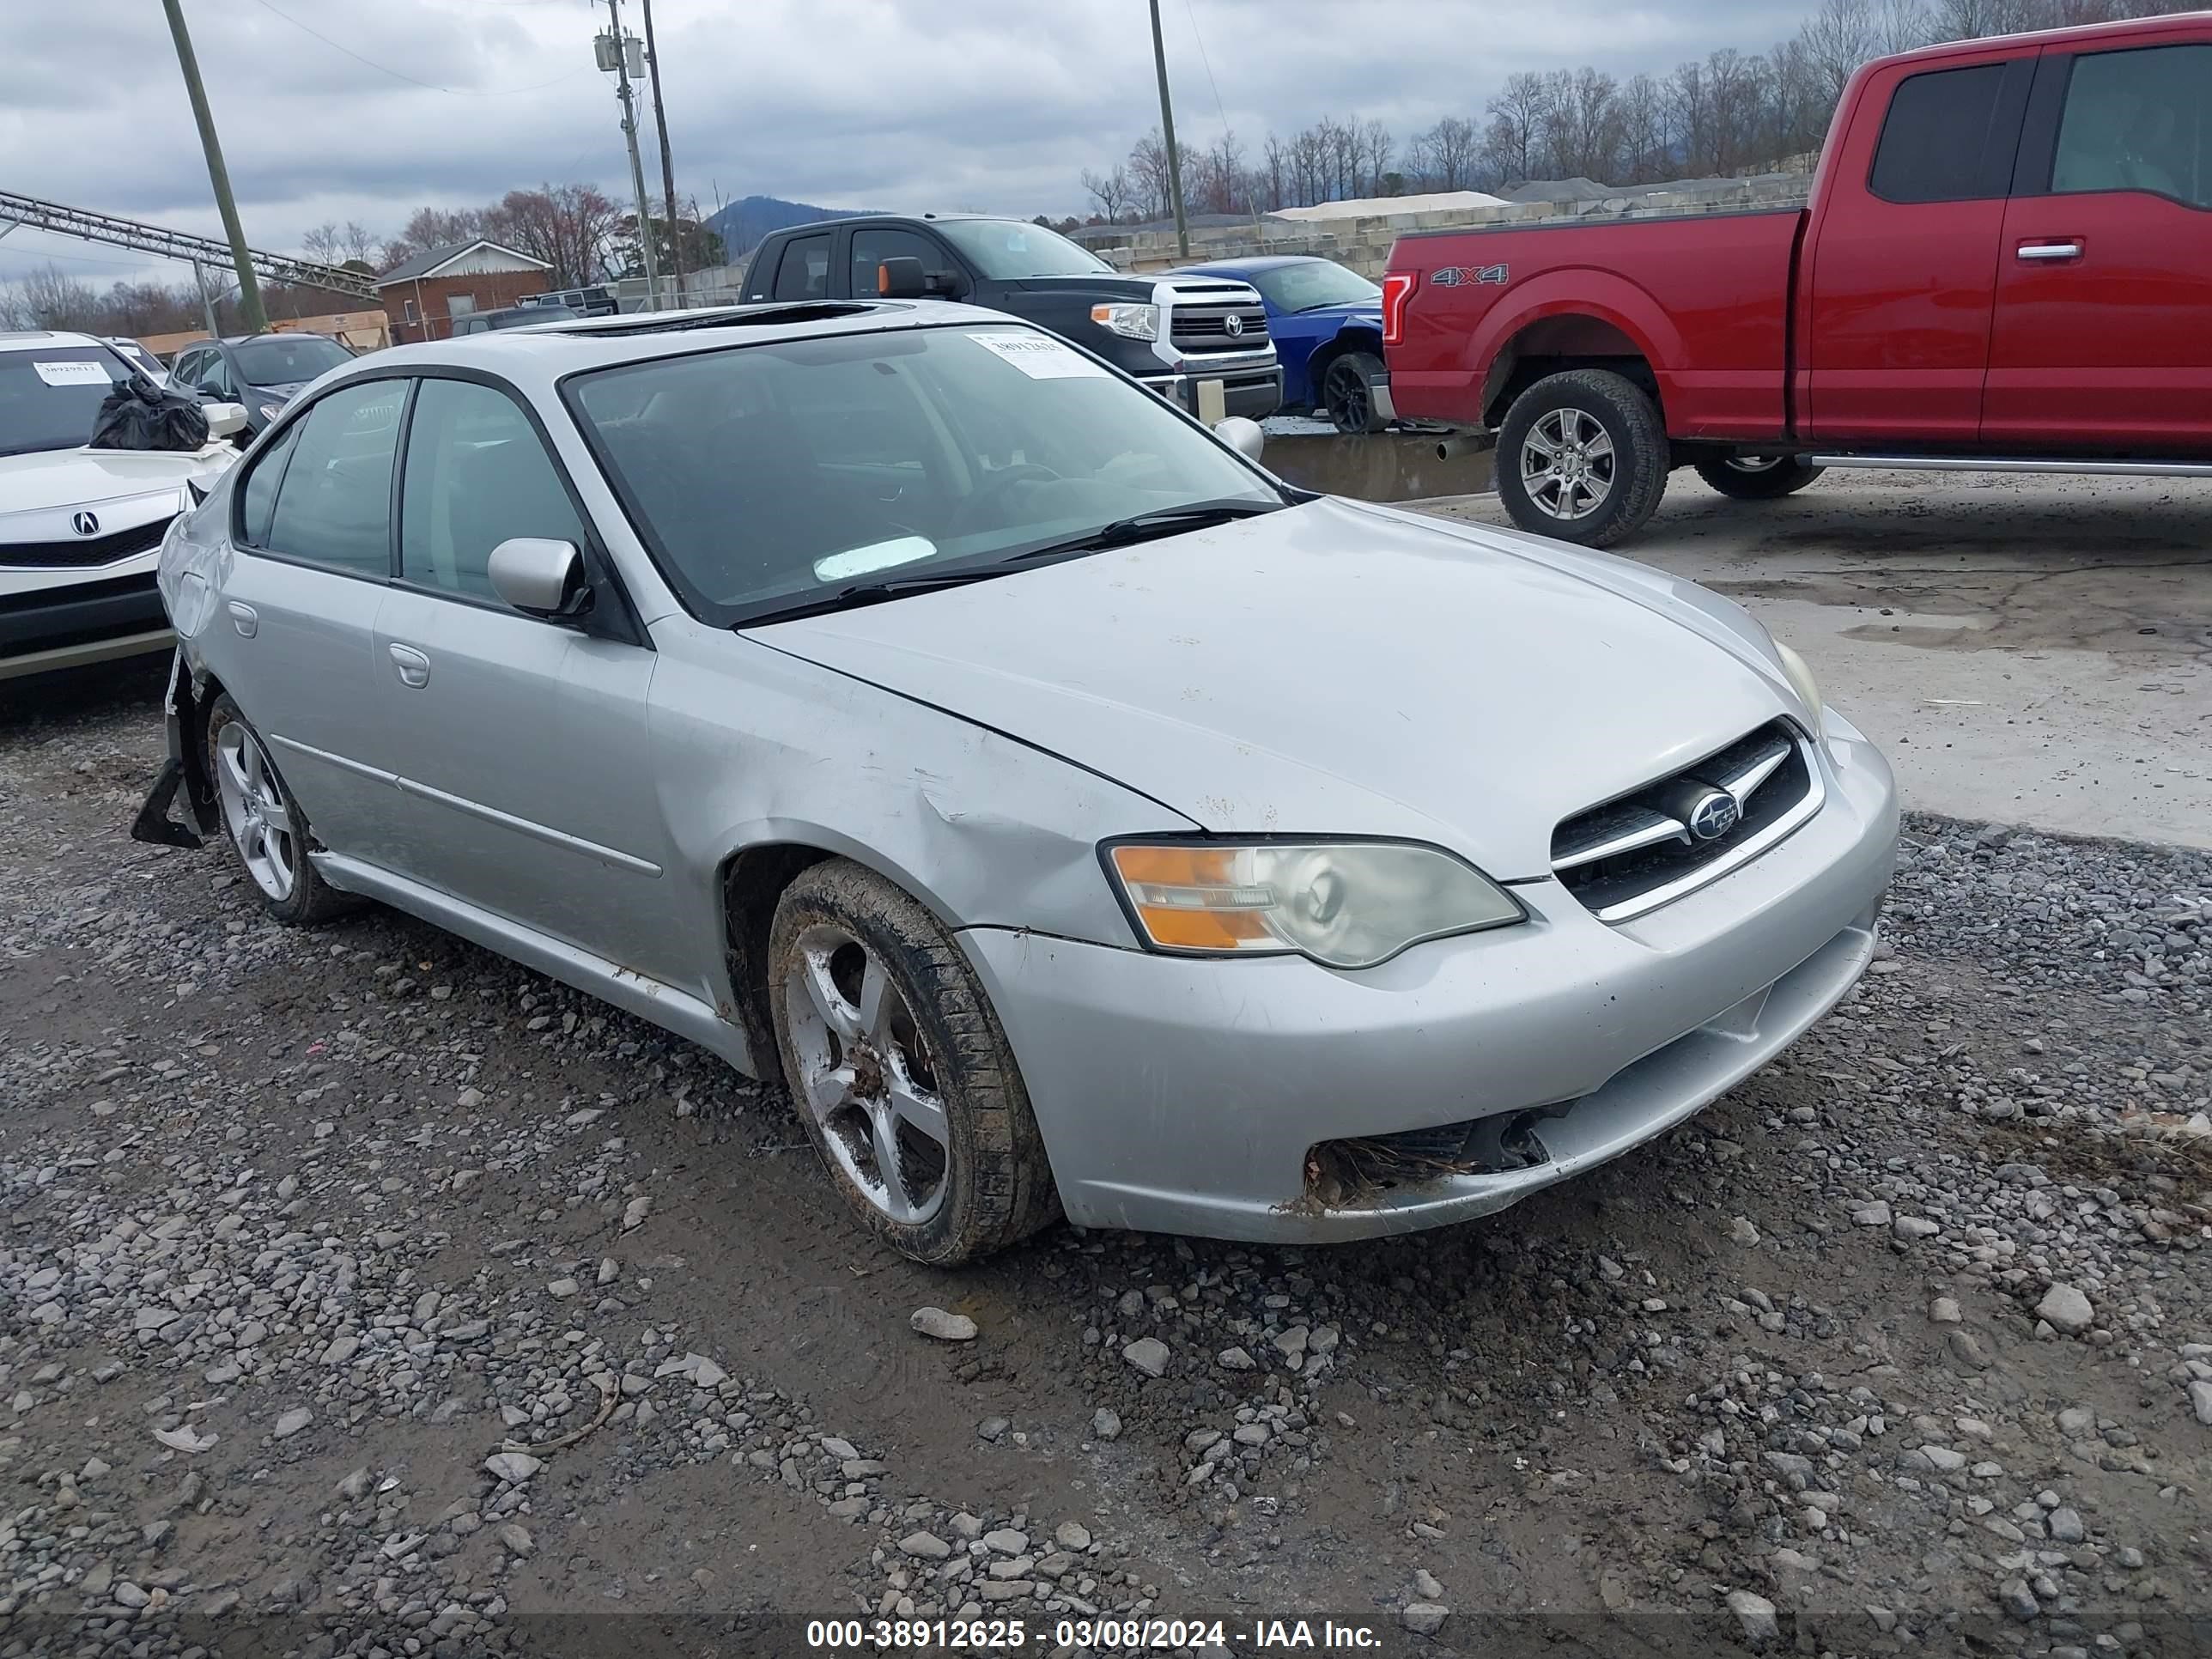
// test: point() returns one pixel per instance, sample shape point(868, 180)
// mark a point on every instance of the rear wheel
point(1758, 477)
point(267, 828)
point(1347, 392)
point(898, 1069)
point(1582, 457)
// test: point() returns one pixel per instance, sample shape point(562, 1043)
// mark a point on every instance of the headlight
point(1802, 681)
point(1138, 322)
point(271, 411)
point(1346, 904)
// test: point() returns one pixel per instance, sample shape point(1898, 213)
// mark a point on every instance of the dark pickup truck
point(1173, 333)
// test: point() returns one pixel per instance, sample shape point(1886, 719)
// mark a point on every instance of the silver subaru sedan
point(1077, 819)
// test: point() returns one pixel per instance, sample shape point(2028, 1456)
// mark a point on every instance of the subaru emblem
point(1235, 325)
point(85, 523)
point(1714, 815)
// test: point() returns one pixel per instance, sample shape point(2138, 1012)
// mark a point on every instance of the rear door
point(2102, 337)
point(1904, 253)
point(314, 530)
point(520, 743)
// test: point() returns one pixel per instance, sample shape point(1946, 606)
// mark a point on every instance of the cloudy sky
point(367, 109)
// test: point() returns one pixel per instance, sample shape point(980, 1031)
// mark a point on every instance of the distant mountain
point(743, 224)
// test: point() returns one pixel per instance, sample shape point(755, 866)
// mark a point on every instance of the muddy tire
point(1758, 477)
point(1582, 457)
point(898, 1069)
point(1347, 391)
point(267, 828)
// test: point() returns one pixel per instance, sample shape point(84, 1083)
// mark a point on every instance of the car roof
point(38, 339)
point(1264, 262)
point(536, 356)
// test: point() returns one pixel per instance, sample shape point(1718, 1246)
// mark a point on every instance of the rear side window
point(804, 270)
point(334, 506)
point(258, 499)
point(1943, 142)
point(2139, 120)
point(477, 474)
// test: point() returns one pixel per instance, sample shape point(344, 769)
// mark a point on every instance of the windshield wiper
point(1149, 527)
point(859, 594)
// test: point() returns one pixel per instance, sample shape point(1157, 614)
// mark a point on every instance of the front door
point(520, 744)
point(1904, 258)
point(2104, 311)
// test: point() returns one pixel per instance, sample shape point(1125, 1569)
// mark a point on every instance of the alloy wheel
point(1351, 404)
point(1755, 463)
point(1568, 467)
point(866, 1075)
point(255, 811)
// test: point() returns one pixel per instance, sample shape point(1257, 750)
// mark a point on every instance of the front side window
point(877, 243)
point(1007, 250)
point(2138, 120)
point(334, 506)
point(213, 376)
point(804, 271)
point(476, 473)
point(769, 477)
point(50, 396)
point(1941, 137)
point(257, 498)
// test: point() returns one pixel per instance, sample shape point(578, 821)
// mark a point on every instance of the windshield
point(287, 359)
point(1311, 283)
point(766, 477)
point(1010, 249)
point(49, 397)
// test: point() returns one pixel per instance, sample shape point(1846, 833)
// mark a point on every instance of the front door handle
point(414, 668)
point(2046, 251)
point(245, 619)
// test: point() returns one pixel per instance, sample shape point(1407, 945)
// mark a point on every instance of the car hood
point(51, 479)
point(1364, 311)
point(1336, 669)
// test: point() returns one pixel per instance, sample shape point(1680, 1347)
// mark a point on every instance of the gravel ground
point(362, 1293)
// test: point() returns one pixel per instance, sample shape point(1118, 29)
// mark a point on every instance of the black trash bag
point(139, 415)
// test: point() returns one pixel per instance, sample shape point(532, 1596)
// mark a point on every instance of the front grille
point(1639, 850)
point(80, 552)
point(1205, 328)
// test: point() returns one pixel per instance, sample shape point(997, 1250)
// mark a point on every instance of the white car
point(80, 528)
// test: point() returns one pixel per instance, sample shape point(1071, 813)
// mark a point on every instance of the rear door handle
point(414, 668)
point(245, 619)
point(2046, 251)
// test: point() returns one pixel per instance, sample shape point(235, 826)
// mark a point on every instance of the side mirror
point(1244, 436)
point(224, 419)
point(901, 277)
point(540, 578)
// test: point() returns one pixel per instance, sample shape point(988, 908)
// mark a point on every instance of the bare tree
point(1109, 191)
point(573, 227)
point(1516, 115)
point(1148, 172)
point(1445, 156)
point(1376, 150)
point(51, 297)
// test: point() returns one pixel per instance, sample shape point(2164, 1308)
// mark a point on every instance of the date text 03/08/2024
point(879, 1635)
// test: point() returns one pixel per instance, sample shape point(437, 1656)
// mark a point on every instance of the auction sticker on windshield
point(73, 374)
point(1039, 357)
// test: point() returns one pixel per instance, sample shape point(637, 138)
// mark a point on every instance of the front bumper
point(81, 622)
point(1251, 393)
point(1186, 1095)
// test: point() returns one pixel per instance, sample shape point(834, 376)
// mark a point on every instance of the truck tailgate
point(1705, 298)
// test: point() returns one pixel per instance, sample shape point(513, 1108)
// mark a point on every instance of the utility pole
point(1167, 131)
point(207, 306)
point(620, 55)
point(249, 292)
point(667, 165)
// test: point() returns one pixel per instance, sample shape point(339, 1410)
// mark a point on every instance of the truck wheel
point(1758, 477)
point(1347, 392)
point(898, 1069)
point(1581, 457)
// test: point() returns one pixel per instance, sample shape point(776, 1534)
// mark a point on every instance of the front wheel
point(1582, 457)
point(1347, 392)
point(898, 1069)
point(1758, 477)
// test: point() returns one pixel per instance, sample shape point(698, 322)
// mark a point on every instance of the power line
point(400, 74)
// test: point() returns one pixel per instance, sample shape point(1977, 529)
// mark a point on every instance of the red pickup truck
point(2005, 263)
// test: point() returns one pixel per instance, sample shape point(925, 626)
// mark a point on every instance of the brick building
point(423, 295)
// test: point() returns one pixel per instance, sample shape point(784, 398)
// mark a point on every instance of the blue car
point(1327, 325)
